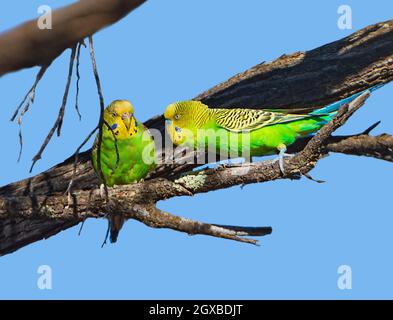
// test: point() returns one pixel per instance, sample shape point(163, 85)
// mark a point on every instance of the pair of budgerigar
point(127, 148)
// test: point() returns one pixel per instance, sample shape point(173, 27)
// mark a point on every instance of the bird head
point(119, 115)
point(183, 119)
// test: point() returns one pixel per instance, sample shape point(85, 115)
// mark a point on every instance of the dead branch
point(59, 121)
point(380, 147)
point(30, 95)
point(67, 89)
point(296, 81)
point(309, 80)
point(138, 201)
point(362, 144)
point(101, 120)
point(78, 77)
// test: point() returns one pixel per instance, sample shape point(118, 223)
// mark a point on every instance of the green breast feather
point(129, 165)
point(135, 156)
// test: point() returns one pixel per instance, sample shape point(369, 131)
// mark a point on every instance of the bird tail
point(332, 108)
point(116, 222)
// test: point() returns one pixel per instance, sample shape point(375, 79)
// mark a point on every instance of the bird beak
point(127, 117)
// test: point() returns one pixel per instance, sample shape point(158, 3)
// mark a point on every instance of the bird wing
point(237, 120)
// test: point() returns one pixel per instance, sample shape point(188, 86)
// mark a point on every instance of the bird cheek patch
point(178, 138)
point(133, 132)
point(133, 129)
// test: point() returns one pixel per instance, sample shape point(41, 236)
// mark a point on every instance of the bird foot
point(70, 200)
point(281, 157)
point(103, 192)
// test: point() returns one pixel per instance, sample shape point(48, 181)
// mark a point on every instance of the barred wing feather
point(237, 120)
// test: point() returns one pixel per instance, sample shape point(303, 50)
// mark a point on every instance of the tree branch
point(138, 201)
point(27, 46)
point(302, 81)
point(379, 147)
point(309, 80)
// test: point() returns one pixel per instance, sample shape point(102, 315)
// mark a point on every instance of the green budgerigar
point(243, 132)
point(132, 160)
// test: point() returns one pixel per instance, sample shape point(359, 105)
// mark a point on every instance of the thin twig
point(101, 121)
point(30, 95)
point(106, 235)
point(65, 96)
point(309, 177)
point(20, 136)
point(81, 227)
point(371, 128)
point(59, 119)
point(31, 92)
point(78, 77)
point(76, 157)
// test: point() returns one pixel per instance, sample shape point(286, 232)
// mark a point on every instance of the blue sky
point(173, 50)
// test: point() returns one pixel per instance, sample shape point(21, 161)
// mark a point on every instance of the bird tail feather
point(333, 107)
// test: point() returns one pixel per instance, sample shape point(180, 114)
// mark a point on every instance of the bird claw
point(102, 191)
point(281, 157)
point(70, 201)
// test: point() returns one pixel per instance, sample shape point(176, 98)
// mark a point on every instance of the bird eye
point(176, 117)
point(114, 114)
point(177, 129)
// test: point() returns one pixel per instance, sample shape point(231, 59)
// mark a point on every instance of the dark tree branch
point(308, 80)
point(380, 147)
point(30, 95)
point(102, 108)
point(78, 77)
point(138, 201)
point(300, 81)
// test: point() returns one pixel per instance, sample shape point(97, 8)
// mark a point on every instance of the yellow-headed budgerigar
point(134, 156)
point(244, 131)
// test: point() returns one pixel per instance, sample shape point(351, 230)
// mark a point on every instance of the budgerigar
point(243, 131)
point(134, 157)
